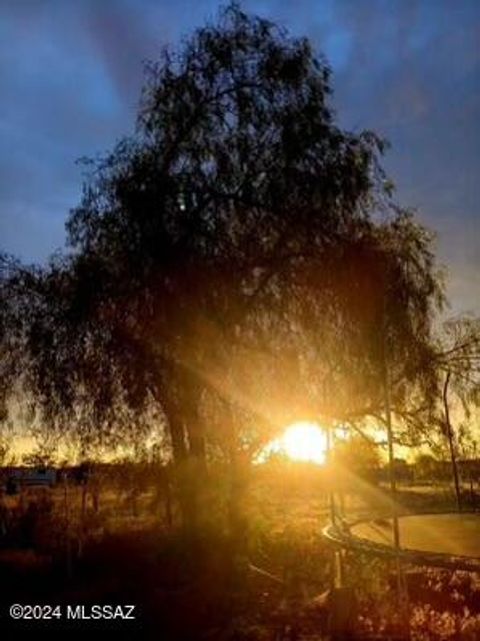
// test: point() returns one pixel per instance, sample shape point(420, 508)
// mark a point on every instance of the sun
point(301, 441)
point(305, 441)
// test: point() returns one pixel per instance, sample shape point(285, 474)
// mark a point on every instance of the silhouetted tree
point(458, 361)
point(238, 223)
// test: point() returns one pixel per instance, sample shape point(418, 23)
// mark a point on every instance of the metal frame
point(342, 537)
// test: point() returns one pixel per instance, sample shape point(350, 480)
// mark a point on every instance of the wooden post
point(343, 614)
point(343, 608)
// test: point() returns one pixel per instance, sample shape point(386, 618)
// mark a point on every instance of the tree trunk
point(185, 480)
point(239, 477)
point(177, 436)
point(194, 427)
point(181, 401)
point(176, 429)
point(451, 442)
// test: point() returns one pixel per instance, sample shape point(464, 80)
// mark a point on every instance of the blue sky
point(410, 69)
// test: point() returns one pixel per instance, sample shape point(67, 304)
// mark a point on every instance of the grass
point(195, 587)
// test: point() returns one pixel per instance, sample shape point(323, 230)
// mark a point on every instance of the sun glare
point(301, 441)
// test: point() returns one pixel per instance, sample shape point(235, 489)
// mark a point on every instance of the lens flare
point(302, 441)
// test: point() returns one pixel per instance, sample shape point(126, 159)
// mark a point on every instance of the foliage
point(357, 456)
point(457, 366)
point(459, 358)
point(238, 234)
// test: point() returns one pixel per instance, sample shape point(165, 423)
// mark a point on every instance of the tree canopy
point(241, 251)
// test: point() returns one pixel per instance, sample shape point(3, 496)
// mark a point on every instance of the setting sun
point(302, 441)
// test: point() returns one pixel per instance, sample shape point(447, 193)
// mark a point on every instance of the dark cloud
point(410, 69)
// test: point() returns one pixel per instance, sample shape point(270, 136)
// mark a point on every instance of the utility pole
point(402, 594)
point(391, 457)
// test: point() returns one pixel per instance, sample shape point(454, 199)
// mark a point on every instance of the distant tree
point(40, 457)
point(357, 456)
point(458, 360)
point(426, 467)
point(7, 454)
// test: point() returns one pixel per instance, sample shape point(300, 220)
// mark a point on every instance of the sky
point(72, 72)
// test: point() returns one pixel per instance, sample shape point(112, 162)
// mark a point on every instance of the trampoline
point(441, 540)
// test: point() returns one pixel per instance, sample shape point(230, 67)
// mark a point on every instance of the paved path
point(457, 534)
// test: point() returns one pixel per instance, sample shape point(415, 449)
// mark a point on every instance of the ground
point(192, 588)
